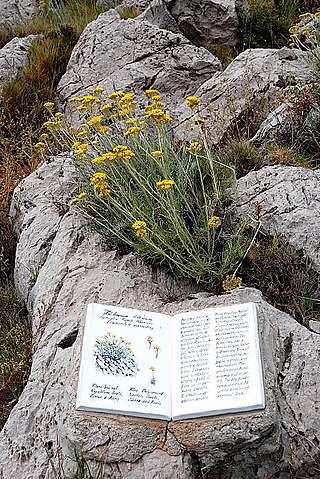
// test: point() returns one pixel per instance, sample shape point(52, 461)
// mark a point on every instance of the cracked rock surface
point(14, 57)
point(134, 55)
point(16, 12)
point(290, 200)
point(253, 75)
point(73, 267)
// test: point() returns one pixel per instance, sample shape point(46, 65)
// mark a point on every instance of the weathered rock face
point(245, 82)
point(16, 12)
point(290, 198)
point(14, 57)
point(74, 268)
point(208, 22)
point(134, 55)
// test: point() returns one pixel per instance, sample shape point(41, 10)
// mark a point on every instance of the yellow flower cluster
point(165, 184)
point(199, 121)
point(231, 282)
point(86, 102)
point(192, 101)
point(82, 196)
point(80, 148)
point(100, 184)
point(194, 147)
point(140, 228)
point(307, 31)
point(158, 115)
point(105, 157)
point(95, 120)
point(122, 151)
point(133, 130)
point(156, 154)
point(214, 222)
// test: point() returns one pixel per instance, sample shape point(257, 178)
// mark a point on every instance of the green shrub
point(164, 200)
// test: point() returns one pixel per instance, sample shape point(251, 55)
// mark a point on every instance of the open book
point(153, 365)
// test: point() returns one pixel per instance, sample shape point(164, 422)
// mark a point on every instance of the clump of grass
point(267, 23)
point(164, 200)
point(129, 12)
point(15, 349)
point(286, 277)
point(243, 155)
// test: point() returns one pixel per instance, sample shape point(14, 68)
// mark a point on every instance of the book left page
point(126, 362)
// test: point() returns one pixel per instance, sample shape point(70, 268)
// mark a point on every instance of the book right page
point(216, 362)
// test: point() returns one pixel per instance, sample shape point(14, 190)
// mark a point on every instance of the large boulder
point(134, 55)
point(13, 58)
point(72, 267)
point(208, 22)
point(246, 82)
point(290, 201)
point(16, 12)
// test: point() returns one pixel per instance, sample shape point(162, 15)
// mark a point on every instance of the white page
point(135, 379)
point(216, 362)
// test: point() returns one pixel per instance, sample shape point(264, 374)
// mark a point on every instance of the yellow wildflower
point(123, 152)
point(131, 121)
point(74, 201)
point(231, 282)
point(192, 101)
point(133, 130)
point(80, 148)
point(49, 105)
point(199, 121)
point(194, 147)
point(88, 99)
point(305, 15)
point(98, 177)
point(81, 108)
point(95, 120)
point(138, 225)
point(103, 129)
point(214, 222)
point(40, 145)
point(141, 233)
point(83, 195)
point(158, 115)
point(116, 94)
point(98, 89)
point(124, 112)
point(165, 184)
point(157, 154)
point(59, 115)
point(105, 157)
point(151, 93)
point(106, 107)
point(82, 134)
point(44, 136)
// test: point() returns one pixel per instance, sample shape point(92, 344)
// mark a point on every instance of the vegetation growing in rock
point(22, 147)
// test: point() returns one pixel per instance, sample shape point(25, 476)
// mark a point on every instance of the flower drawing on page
point(114, 356)
point(153, 379)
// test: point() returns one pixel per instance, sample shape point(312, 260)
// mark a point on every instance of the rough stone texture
point(252, 75)
point(16, 12)
point(291, 204)
point(13, 58)
point(158, 14)
point(208, 22)
point(134, 55)
point(74, 268)
point(274, 126)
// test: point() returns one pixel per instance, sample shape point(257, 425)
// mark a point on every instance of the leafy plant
point(166, 201)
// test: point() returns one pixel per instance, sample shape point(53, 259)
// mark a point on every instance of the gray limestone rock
point(44, 429)
point(290, 199)
point(245, 82)
point(16, 12)
point(209, 22)
point(14, 57)
point(274, 126)
point(133, 55)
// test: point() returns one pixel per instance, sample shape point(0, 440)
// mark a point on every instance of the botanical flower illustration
point(114, 356)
